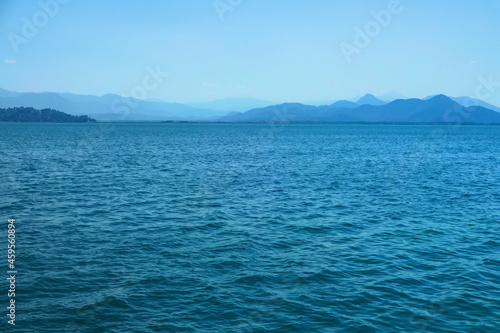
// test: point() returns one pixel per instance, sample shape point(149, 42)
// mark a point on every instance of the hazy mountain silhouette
point(366, 99)
point(345, 104)
point(385, 98)
point(436, 109)
point(468, 101)
point(6, 93)
point(439, 109)
point(370, 100)
point(108, 107)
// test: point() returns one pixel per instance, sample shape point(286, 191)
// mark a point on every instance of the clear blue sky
point(278, 50)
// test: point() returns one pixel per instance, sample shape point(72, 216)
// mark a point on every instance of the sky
point(275, 50)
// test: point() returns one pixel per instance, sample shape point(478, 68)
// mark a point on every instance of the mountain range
point(108, 107)
point(367, 108)
point(438, 109)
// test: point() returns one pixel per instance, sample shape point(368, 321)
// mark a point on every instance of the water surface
point(253, 228)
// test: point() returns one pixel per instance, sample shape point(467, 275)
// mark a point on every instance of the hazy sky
point(278, 50)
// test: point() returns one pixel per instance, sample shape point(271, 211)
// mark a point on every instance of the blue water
point(252, 228)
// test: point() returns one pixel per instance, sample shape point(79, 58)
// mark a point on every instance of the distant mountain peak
point(441, 98)
point(370, 99)
point(467, 101)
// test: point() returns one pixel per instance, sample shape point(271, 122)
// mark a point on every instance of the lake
point(253, 227)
